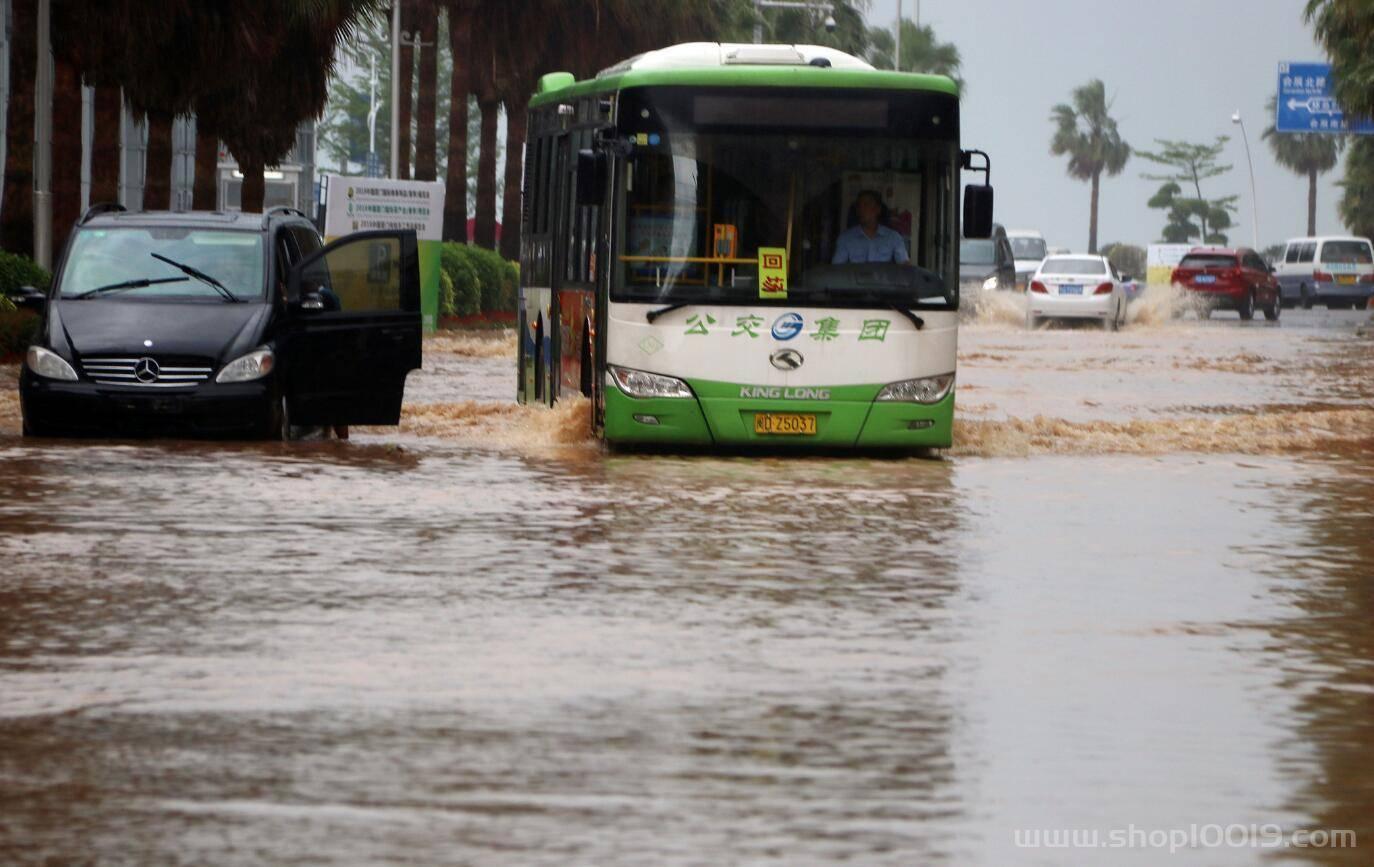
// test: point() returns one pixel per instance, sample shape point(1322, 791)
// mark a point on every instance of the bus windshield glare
point(698, 211)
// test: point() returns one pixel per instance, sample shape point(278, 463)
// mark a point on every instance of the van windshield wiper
point(128, 284)
point(199, 275)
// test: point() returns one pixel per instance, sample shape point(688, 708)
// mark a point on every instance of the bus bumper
point(729, 423)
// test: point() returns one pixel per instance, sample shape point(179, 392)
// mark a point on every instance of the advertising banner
point(363, 204)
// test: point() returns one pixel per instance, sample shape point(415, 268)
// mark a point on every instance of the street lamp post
point(1254, 203)
point(42, 140)
point(395, 88)
point(760, 5)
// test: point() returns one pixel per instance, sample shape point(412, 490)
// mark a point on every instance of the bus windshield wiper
point(651, 315)
point(199, 275)
point(910, 314)
point(128, 284)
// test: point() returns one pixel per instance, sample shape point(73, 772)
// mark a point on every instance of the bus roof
point(726, 64)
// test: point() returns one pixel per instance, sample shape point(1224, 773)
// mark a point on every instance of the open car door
point(353, 330)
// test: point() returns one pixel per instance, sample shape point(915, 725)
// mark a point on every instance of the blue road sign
point(1305, 103)
point(374, 165)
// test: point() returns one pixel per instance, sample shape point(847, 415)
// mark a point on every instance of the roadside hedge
point(17, 327)
point(475, 280)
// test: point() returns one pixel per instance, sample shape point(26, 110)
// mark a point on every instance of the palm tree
point(109, 118)
point(1357, 200)
point(16, 220)
point(1087, 133)
point(921, 51)
point(66, 152)
point(1309, 154)
point(426, 95)
point(460, 24)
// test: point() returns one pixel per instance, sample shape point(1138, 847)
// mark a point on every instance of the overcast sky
point(1176, 68)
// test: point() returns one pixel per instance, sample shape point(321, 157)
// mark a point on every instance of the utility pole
point(395, 88)
point(897, 52)
point(1254, 203)
point(42, 140)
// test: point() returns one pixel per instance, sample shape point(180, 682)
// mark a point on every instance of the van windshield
point(1347, 253)
point(1028, 248)
point(111, 256)
point(977, 252)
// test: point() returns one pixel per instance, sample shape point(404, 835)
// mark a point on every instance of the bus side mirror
point(591, 177)
point(977, 211)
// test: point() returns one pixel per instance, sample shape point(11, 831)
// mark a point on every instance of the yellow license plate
point(1346, 279)
point(785, 424)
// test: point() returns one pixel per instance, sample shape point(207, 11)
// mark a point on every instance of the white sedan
point(1076, 287)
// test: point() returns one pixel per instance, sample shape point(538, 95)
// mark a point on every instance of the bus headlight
point(930, 389)
point(49, 364)
point(246, 368)
point(639, 383)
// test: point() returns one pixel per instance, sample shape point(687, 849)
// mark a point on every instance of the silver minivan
point(1337, 271)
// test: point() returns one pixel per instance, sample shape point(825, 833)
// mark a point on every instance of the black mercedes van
point(221, 324)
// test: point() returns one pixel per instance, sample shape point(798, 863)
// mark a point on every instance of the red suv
point(1221, 278)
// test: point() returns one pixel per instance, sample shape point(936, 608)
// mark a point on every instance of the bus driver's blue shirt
point(855, 246)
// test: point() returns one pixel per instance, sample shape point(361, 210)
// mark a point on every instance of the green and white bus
point(747, 245)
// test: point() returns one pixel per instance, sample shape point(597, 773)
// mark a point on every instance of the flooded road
point(1137, 594)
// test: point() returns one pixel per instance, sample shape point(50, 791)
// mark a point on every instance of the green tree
point(1127, 258)
point(1307, 154)
point(1087, 133)
point(1192, 163)
point(1357, 197)
point(1345, 28)
point(922, 51)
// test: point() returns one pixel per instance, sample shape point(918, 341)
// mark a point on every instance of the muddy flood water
point(1137, 594)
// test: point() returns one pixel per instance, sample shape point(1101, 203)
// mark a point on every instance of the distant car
point(1029, 250)
point(1335, 271)
point(221, 324)
point(986, 263)
point(1076, 287)
point(1221, 278)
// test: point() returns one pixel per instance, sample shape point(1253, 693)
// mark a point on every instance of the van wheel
point(1306, 299)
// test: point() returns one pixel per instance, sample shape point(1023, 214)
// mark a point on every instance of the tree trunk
point(205, 188)
point(16, 221)
point(515, 157)
point(1202, 208)
point(157, 175)
point(484, 232)
point(460, 86)
point(66, 153)
point(109, 122)
point(254, 187)
point(425, 108)
point(1311, 202)
point(1092, 214)
point(405, 89)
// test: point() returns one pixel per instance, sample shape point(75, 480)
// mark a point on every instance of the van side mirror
point(977, 211)
point(591, 177)
point(29, 298)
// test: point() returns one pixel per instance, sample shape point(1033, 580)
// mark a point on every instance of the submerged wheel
point(1306, 299)
point(1274, 310)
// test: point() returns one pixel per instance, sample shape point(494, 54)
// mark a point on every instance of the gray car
point(986, 263)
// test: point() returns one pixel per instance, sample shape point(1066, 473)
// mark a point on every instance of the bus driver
point(869, 240)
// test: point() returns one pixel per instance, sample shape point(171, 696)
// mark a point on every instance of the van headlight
point(246, 368)
point(49, 364)
point(930, 389)
point(640, 383)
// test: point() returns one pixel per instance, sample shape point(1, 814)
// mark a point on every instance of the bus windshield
point(833, 219)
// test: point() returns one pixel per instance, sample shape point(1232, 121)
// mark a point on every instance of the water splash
point(1331, 430)
point(504, 425)
point(1157, 304)
point(997, 308)
point(473, 344)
